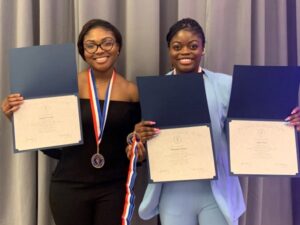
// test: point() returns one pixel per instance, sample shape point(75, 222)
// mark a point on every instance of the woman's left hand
point(294, 118)
point(146, 130)
point(141, 151)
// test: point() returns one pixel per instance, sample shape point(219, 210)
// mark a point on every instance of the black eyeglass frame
point(110, 40)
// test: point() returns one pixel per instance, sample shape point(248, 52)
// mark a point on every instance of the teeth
point(185, 61)
point(101, 60)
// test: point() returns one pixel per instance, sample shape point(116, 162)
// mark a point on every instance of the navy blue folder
point(39, 71)
point(173, 101)
point(264, 92)
point(44, 71)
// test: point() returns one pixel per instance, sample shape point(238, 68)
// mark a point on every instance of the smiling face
point(107, 51)
point(185, 51)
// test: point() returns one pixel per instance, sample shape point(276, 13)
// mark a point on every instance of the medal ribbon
point(129, 198)
point(199, 70)
point(99, 118)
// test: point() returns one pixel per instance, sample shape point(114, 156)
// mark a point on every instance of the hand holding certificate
point(49, 116)
point(183, 150)
point(49, 121)
point(260, 141)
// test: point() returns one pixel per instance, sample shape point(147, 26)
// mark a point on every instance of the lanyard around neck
point(199, 70)
point(99, 117)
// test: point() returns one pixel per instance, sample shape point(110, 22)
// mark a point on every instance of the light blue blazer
point(226, 189)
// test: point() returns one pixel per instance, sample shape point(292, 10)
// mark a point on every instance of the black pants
point(87, 204)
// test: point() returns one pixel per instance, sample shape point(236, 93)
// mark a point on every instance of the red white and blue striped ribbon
point(199, 70)
point(129, 198)
point(99, 118)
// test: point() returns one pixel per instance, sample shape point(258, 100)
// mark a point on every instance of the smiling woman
point(203, 202)
point(186, 42)
point(101, 50)
point(88, 185)
point(91, 178)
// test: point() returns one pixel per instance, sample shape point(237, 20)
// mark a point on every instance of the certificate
point(262, 148)
point(47, 78)
point(179, 154)
point(47, 122)
point(183, 150)
point(259, 141)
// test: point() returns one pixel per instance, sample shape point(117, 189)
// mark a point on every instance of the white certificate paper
point(47, 122)
point(262, 148)
point(179, 154)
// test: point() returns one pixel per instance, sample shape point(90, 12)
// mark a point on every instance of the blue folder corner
point(41, 71)
point(173, 101)
point(264, 92)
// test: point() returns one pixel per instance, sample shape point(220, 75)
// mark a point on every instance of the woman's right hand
point(11, 104)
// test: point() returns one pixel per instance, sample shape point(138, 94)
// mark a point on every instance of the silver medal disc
point(97, 160)
point(130, 137)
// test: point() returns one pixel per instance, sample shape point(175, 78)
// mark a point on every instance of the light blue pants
point(189, 203)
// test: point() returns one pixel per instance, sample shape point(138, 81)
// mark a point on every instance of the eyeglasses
point(105, 45)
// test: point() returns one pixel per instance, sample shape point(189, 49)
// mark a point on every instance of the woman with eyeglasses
point(88, 184)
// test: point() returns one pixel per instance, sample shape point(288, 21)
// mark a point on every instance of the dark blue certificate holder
point(44, 71)
point(174, 101)
point(263, 93)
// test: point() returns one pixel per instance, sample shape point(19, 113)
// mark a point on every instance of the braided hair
point(186, 24)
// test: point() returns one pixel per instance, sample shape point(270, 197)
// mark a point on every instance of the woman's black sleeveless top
point(75, 161)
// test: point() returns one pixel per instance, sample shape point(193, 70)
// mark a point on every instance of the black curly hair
point(186, 24)
point(97, 23)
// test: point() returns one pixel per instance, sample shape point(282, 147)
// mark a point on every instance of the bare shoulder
point(133, 91)
point(128, 89)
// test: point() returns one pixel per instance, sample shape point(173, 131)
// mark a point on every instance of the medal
point(131, 136)
point(99, 117)
point(97, 160)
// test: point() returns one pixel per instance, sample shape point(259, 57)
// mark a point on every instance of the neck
point(198, 70)
point(103, 75)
